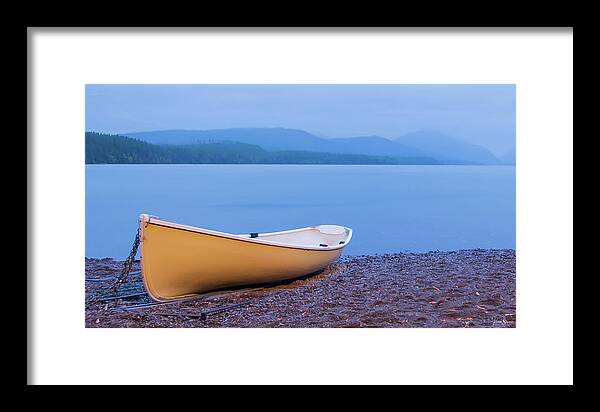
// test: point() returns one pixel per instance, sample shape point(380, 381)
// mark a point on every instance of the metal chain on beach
point(123, 276)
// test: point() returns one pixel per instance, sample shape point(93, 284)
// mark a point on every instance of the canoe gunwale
point(148, 219)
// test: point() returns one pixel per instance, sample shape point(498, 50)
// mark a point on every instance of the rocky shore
point(465, 288)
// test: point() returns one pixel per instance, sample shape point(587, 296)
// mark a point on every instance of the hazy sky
point(480, 114)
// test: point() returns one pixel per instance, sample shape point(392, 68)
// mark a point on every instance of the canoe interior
point(330, 235)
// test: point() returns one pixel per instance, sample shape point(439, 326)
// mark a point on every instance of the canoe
point(179, 261)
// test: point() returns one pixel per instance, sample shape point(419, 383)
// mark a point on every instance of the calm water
point(390, 208)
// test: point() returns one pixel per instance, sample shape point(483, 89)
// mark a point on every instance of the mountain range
point(430, 145)
point(114, 149)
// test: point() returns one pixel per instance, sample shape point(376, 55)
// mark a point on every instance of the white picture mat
point(539, 350)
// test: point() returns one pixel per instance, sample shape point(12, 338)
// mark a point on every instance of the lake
point(390, 208)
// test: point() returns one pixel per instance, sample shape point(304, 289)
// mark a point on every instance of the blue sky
point(480, 114)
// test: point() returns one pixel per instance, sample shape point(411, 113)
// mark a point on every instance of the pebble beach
point(450, 289)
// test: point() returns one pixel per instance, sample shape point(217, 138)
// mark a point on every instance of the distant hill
point(267, 138)
point(103, 148)
point(510, 157)
point(448, 149)
point(375, 145)
point(416, 145)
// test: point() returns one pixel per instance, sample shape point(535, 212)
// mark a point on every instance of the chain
point(123, 276)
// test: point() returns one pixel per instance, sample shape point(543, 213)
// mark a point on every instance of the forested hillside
point(103, 148)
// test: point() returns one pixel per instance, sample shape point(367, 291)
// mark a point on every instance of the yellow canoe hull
point(179, 261)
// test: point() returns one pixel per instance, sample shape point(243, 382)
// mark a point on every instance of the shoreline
point(462, 288)
point(299, 164)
